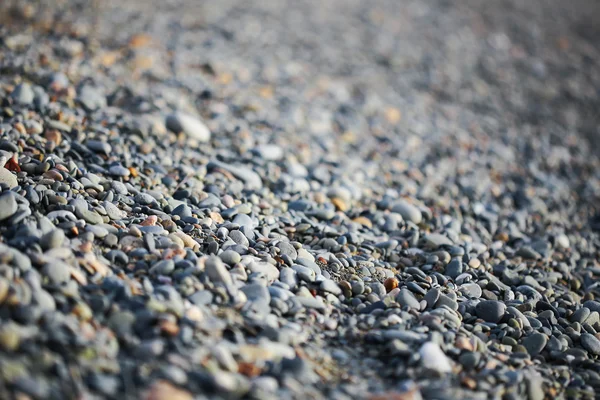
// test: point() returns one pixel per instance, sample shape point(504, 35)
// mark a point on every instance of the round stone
point(490, 310)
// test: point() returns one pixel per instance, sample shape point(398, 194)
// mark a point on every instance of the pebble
point(23, 94)
point(52, 239)
point(590, 343)
point(433, 358)
point(191, 126)
point(217, 272)
point(8, 205)
point(490, 310)
point(345, 231)
point(408, 211)
point(535, 343)
point(7, 178)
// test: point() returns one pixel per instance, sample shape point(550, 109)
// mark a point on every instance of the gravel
point(305, 199)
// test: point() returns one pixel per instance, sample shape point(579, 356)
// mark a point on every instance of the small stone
point(390, 284)
point(191, 126)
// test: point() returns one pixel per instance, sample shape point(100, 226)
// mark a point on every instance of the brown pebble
point(390, 284)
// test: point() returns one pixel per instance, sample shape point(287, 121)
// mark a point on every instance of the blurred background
point(530, 62)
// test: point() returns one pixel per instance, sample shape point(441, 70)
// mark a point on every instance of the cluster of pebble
point(173, 230)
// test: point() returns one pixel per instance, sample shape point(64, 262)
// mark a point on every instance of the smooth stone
point(435, 240)
point(8, 178)
point(528, 253)
point(216, 271)
point(191, 126)
point(230, 257)
point(581, 315)
point(304, 273)
point(327, 285)
point(590, 343)
point(407, 299)
point(52, 239)
point(490, 310)
point(89, 216)
point(269, 152)
point(311, 302)
point(287, 248)
point(239, 238)
point(257, 293)
point(454, 268)
point(8, 205)
point(99, 146)
point(472, 290)
point(432, 297)
point(251, 179)
point(408, 211)
point(163, 267)
point(201, 298)
point(535, 343)
point(183, 210)
point(270, 271)
point(91, 98)
point(433, 358)
point(562, 242)
point(243, 220)
point(57, 272)
point(444, 300)
point(592, 305)
point(119, 170)
point(23, 94)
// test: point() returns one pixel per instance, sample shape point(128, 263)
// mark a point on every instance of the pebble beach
point(341, 199)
